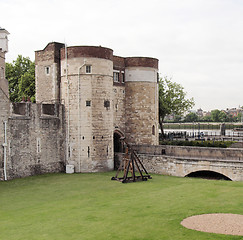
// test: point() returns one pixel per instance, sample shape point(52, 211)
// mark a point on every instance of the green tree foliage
point(240, 117)
point(191, 117)
point(215, 115)
point(21, 77)
point(207, 119)
point(221, 116)
point(172, 99)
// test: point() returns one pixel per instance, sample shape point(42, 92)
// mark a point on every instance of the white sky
point(199, 43)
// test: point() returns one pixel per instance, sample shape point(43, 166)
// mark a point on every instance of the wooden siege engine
point(131, 165)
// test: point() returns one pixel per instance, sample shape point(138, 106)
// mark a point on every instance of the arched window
point(153, 130)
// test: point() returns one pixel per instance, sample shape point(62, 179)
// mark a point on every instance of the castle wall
point(119, 108)
point(35, 140)
point(88, 107)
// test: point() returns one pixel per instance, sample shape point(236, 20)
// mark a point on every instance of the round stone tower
point(141, 76)
point(86, 92)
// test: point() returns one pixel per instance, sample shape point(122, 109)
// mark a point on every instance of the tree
point(222, 117)
point(172, 99)
point(191, 117)
point(239, 117)
point(215, 115)
point(21, 78)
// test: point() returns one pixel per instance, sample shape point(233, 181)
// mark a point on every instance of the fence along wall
point(191, 152)
point(35, 137)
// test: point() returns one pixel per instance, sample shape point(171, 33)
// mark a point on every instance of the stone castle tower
point(105, 97)
point(3, 50)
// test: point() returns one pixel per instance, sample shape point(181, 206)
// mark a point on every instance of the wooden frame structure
point(131, 163)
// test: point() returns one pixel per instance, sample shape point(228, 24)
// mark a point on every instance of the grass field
point(91, 206)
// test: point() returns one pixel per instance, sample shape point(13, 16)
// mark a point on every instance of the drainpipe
point(5, 151)
point(79, 128)
point(68, 115)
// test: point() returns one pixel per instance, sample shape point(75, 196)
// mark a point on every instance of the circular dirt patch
point(224, 223)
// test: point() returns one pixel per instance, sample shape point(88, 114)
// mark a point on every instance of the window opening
point(116, 76)
point(88, 68)
point(153, 130)
point(2, 73)
point(38, 145)
point(123, 77)
point(47, 70)
point(88, 103)
point(107, 103)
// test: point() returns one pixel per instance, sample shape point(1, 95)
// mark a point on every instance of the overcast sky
point(199, 43)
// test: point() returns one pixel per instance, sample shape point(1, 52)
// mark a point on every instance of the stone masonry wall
point(141, 113)
point(181, 161)
point(119, 108)
point(36, 140)
point(169, 160)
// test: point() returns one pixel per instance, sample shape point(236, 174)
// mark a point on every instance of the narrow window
point(38, 145)
point(2, 73)
point(88, 103)
point(107, 103)
point(47, 70)
point(153, 130)
point(116, 76)
point(88, 68)
point(123, 77)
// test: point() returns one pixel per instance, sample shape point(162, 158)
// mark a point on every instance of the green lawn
point(91, 206)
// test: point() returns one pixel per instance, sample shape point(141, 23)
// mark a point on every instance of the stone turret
point(87, 91)
point(3, 40)
point(3, 50)
point(141, 105)
point(47, 73)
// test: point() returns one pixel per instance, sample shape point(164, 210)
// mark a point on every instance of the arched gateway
point(118, 146)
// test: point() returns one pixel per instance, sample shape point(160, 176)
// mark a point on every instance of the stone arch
point(118, 147)
point(208, 174)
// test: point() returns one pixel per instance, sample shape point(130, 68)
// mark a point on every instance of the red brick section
point(118, 63)
point(141, 62)
point(88, 51)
